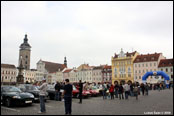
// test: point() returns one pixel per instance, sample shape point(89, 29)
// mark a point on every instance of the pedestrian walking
point(68, 97)
point(111, 91)
point(57, 91)
point(135, 90)
point(120, 91)
point(42, 94)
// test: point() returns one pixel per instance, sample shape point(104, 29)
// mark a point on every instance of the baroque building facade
point(122, 67)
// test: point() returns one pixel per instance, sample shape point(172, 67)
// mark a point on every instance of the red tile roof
point(107, 67)
point(53, 67)
point(147, 57)
point(67, 70)
point(130, 54)
point(7, 66)
point(165, 62)
point(97, 67)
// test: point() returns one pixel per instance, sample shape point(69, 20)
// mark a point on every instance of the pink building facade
point(146, 63)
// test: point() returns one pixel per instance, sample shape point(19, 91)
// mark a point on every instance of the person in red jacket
point(111, 91)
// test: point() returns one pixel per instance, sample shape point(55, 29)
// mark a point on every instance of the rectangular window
point(171, 70)
point(166, 69)
point(146, 64)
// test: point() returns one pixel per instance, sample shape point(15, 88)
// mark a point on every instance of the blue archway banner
point(161, 73)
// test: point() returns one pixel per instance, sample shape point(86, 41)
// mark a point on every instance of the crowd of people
point(108, 91)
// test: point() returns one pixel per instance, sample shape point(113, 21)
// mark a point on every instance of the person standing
point(104, 89)
point(146, 88)
point(135, 90)
point(42, 94)
point(127, 89)
point(142, 88)
point(111, 91)
point(116, 89)
point(120, 91)
point(131, 89)
point(57, 91)
point(80, 90)
point(68, 97)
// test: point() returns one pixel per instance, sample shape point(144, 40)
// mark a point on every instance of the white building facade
point(8, 74)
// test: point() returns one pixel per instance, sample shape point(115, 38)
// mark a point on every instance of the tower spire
point(25, 39)
point(65, 61)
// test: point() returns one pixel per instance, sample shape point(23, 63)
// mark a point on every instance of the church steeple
point(24, 53)
point(65, 61)
point(25, 39)
point(25, 44)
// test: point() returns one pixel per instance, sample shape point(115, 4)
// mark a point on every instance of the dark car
point(31, 89)
point(12, 95)
point(51, 92)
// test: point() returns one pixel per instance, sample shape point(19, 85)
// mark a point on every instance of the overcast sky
point(85, 32)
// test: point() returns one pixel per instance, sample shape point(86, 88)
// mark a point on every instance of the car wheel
point(8, 102)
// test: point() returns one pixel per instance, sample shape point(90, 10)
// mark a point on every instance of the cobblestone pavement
point(156, 103)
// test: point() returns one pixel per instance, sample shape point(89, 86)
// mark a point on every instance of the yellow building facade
point(122, 67)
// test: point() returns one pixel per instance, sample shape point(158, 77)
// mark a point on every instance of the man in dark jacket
point(68, 97)
point(120, 91)
point(142, 88)
point(57, 91)
point(80, 91)
point(116, 89)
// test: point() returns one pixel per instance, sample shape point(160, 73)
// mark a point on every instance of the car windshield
point(31, 88)
point(74, 88)
point(94, 87)
point(11, 89)
point(50, 87)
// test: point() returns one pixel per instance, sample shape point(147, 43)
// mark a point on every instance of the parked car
point(85, 93)
point(94, 91)
point(32, 89)
point(12, 95)
point(51, 92)
point(75, 92)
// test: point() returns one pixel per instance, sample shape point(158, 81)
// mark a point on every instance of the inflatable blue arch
point(161, 73)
